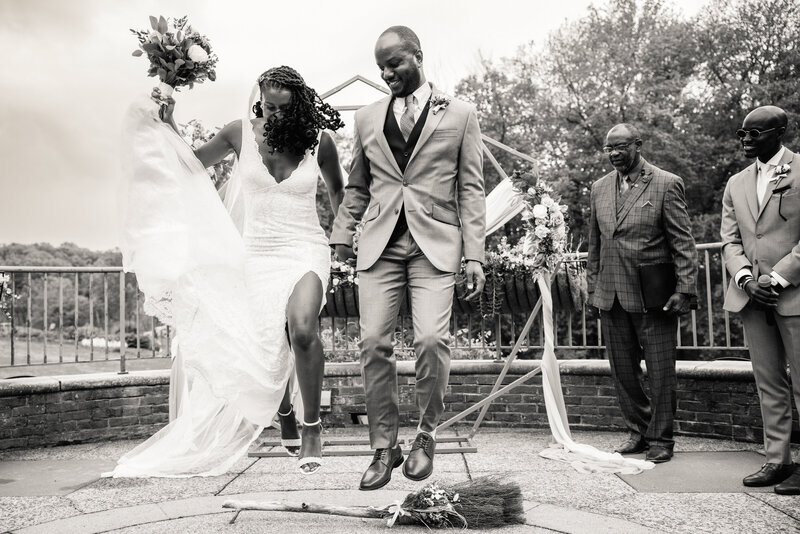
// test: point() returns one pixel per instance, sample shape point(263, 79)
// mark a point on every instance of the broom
point(485, 502)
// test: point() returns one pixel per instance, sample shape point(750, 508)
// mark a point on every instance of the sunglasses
point(755, 133)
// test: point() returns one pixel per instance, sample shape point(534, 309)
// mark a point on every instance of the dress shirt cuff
point(739, 276)
point(781, 280)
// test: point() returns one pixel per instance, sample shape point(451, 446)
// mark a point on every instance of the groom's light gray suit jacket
point(441, 190)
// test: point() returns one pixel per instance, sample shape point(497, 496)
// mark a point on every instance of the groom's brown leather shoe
point(419, 465)
point(379, 472)
point(768, 475)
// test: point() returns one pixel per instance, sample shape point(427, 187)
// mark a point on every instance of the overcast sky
point(68, 76)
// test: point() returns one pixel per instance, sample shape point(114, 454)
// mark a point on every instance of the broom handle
point(310, 508)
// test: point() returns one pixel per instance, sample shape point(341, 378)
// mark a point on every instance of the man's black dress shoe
point(379, 472)
point(768, 475)
point(790, 486)
point(658, 454)
point(634, 445)
point(419, 465)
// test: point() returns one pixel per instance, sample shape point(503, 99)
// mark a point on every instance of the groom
point(416, 182)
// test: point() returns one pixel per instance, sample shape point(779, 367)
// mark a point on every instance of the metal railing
point(89, 314)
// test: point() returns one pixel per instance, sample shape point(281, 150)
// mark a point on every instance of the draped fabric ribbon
point(502, 204)
point(583, 458)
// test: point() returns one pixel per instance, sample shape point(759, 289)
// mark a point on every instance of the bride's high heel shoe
point(292, 445)
point(311, 464)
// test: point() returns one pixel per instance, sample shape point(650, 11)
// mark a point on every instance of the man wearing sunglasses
point(761, 248)
point(639, 218)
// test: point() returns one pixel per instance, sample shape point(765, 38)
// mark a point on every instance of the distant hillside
point(62, 255)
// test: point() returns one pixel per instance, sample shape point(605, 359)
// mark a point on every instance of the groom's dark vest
point(402, 150)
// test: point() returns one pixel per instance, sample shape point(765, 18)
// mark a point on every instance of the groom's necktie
point(407, 120)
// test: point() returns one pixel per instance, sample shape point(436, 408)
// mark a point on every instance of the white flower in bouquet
point(335, 282)
point(559, 232)
point(526, 215)
point(197, 54)
point(541, 231)
point(531, 191)
point(154, 36)
point(539, 211)
point(556, 218)
point(547, 201)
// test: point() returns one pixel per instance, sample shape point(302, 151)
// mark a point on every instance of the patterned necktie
point(625, 185)
point(407, 120)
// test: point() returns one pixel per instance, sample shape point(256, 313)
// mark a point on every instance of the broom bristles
point(486, 502)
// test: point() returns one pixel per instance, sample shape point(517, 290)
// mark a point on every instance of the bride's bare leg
point(302, 314)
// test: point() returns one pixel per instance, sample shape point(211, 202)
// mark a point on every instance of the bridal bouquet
point(545, 222)
point(178, 55)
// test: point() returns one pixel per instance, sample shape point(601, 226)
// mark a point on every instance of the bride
point(233, 298)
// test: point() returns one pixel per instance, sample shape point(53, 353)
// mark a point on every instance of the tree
point(686, 84)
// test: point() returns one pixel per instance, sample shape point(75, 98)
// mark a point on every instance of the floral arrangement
point(178, 55)
point(343, 274)
point(7, 296)
point(545, 221)
point(196, 135)
point(782, 170)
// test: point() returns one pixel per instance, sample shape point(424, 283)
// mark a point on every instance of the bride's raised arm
point(227, 140)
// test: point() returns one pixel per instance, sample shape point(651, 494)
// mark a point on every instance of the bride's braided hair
point(297, 130)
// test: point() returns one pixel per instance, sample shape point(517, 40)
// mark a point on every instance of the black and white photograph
point(352, 266)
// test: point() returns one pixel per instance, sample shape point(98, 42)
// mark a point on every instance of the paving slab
point(699, 472)
point(19, 512)
point(701, 513)
point(27, 478)
point(563, 519)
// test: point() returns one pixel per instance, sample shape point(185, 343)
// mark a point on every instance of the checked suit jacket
point(441, 189)
point(652, 226)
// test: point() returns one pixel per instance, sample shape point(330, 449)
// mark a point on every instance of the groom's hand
point(344, 253)
point(475, 279)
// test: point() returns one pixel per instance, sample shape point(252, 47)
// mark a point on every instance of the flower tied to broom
point(485, 502)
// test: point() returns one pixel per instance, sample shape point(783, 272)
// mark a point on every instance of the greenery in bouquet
point(545, 220)
point(178, 55)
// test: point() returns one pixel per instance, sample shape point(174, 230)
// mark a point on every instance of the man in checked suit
point(639, 217)
point(761, 241)
point(417, 182)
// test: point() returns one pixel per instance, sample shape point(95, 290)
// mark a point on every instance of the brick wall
point(715, 399)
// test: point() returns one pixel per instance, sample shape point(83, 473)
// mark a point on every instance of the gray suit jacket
point(441, 190)
point(652, 227)
point(759, 238)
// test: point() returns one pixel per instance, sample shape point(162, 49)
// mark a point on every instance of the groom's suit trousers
point(381, 288)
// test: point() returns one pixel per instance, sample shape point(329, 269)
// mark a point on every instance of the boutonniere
point(782, 170)
point(438, 103)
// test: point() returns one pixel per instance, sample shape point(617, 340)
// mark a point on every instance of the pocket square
point(646, 203)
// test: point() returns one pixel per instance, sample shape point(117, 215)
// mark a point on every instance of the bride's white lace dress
point(224, 292)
